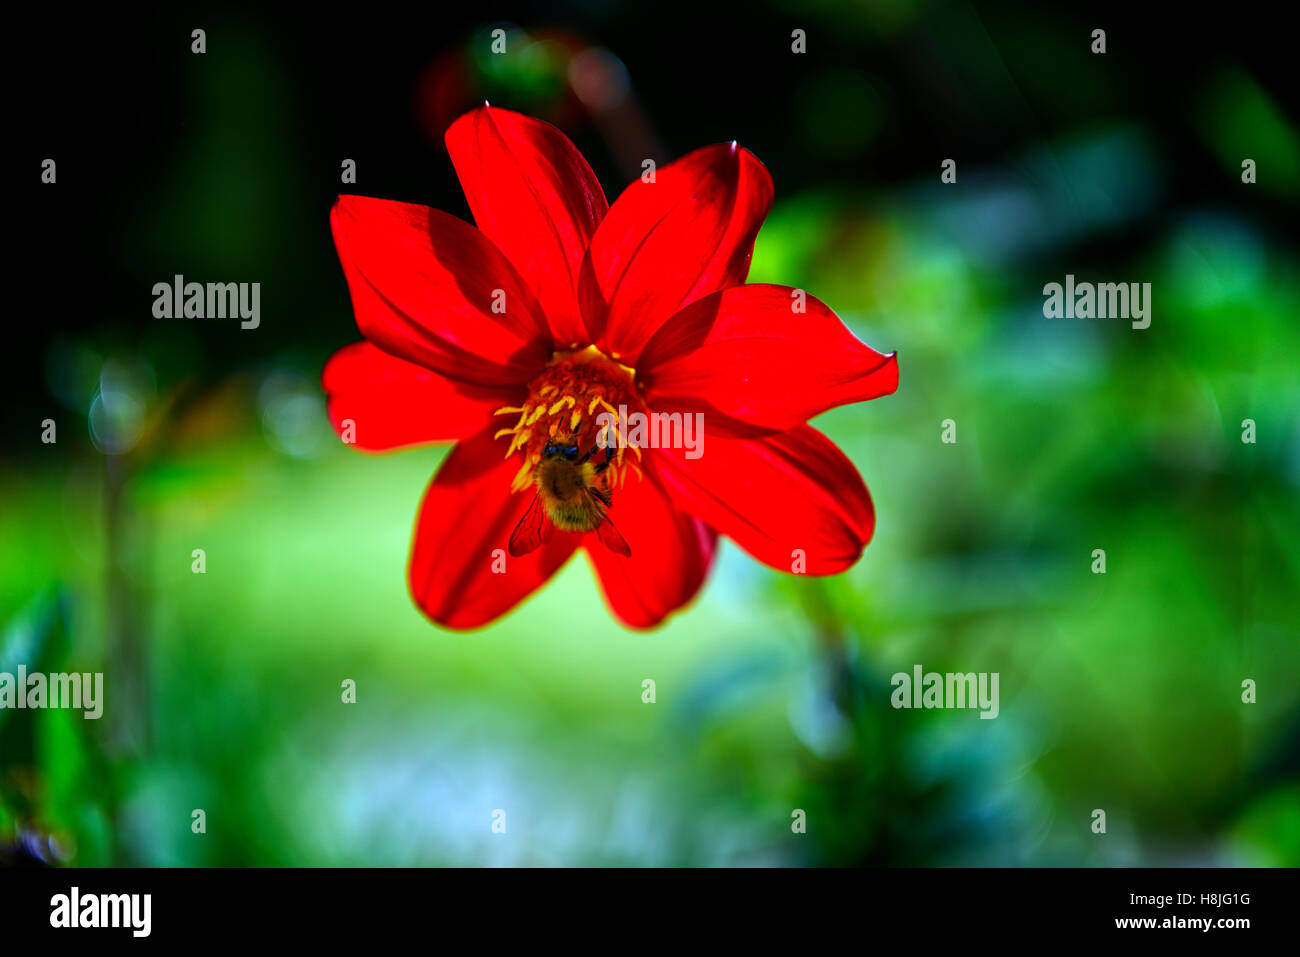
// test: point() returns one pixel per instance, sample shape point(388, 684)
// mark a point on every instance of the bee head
point(554, 450)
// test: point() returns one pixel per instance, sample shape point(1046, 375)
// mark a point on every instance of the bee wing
point(533, 531)
point(612, 539)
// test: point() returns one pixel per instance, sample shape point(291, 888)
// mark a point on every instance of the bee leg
point(609, 454)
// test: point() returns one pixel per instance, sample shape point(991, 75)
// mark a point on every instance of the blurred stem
point(126, 693)
point(832, 641)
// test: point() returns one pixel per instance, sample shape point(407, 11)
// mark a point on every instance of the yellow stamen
point(561, 404)
point(523, 478)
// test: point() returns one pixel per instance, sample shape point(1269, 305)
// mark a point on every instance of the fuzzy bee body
point(573, 495)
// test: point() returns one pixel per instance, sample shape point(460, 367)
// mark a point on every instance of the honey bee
point(573, 495)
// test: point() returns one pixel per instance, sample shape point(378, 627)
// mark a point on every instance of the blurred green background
point(1119, 691)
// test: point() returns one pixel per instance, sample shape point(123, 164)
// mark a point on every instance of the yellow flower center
point(580, 398)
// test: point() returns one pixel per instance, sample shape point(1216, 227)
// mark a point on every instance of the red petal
point(671, 555)
point(667, 243)
point(393, 404)
point(745, 353)
point(793, 490)
point(532, 194)
point(462, 532)
point(423, 286)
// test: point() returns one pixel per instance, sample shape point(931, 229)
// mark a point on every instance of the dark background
point(121, 103)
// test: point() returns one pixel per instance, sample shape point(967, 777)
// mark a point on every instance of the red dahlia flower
point(559, 308)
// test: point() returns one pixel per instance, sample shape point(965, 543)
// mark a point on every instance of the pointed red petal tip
point(535, 197)
point(380, 403)
point(827, 513)
point(738, 353)
point(421, 281)
point(662, 247)
point(467, 514)
point(670, 556)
